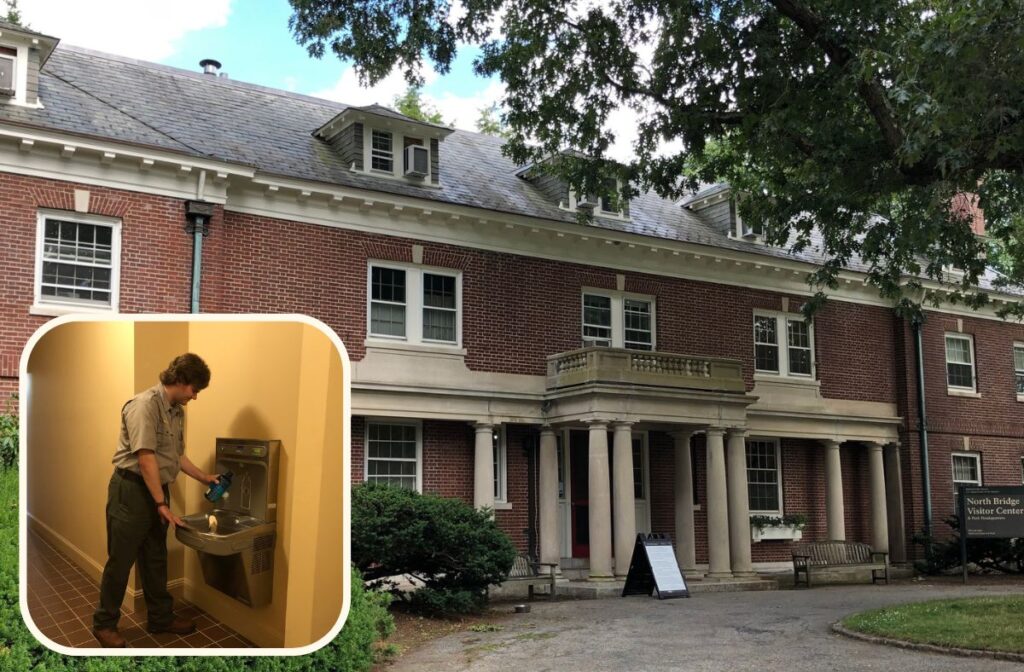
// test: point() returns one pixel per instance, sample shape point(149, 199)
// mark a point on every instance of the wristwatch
point(163, 503)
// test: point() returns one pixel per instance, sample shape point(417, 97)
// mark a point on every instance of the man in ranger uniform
point(149, 456)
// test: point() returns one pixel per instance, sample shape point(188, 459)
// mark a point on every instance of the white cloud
point(139, 29)
point(462, 110)
point(348, 90)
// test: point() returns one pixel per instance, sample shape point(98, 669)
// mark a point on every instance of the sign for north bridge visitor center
point(989, 513)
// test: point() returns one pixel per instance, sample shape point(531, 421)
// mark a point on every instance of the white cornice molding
point(99, 147)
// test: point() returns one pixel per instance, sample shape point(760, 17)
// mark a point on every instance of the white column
point(834, 512)
point(686, 552)
point(483, 466)
point(548, 496)
point(894, 503)
point(739, 505)
point(623, 499)
point(879, 517)
point(599, 507)
point(718, 507)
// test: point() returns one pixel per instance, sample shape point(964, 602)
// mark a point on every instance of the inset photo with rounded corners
point(185, 485)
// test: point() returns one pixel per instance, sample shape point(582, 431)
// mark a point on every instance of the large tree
point(864, 121)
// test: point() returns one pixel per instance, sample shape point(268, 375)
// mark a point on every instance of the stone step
point(595, 590)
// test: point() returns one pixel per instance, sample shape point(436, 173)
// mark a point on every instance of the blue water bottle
point(217, 490)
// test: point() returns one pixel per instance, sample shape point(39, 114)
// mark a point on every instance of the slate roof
point(102, 95)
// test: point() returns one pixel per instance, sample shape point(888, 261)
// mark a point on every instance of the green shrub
point(9, 434)
point(999, 555)
point(369, 620)
point(453, 549)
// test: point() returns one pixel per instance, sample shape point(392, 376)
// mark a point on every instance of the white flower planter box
point(776, 532)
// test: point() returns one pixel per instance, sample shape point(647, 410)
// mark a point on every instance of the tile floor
point(62, 598)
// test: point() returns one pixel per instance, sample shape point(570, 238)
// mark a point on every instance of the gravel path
point(776, 630)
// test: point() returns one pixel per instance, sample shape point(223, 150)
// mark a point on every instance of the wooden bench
point(819, 557)
point(525, 570)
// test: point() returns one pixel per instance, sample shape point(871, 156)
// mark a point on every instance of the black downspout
point(922, 426)
point(197, 216)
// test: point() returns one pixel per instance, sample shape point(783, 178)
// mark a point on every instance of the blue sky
point(252, 40)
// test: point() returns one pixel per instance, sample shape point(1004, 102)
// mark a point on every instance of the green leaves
point(851, 126)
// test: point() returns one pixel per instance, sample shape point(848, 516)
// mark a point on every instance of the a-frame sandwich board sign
point(654, 568)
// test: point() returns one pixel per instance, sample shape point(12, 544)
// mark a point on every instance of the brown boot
point(178, 626)
point(109, 638)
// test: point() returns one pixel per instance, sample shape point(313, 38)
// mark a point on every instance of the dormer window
point(8, 70)
point(381, 142)
point(23, 53)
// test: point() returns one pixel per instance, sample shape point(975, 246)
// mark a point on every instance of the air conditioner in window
point(587, 201)
point(417, 161)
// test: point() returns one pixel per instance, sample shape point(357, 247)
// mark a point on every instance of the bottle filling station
point(236, 540)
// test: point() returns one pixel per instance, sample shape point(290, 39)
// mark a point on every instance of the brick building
point(647, 370)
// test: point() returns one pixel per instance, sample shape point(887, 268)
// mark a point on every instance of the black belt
point(130, 476)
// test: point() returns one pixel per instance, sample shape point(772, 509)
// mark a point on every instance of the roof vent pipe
point(210, 66)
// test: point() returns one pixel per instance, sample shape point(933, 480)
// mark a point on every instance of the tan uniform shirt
point(149, 422)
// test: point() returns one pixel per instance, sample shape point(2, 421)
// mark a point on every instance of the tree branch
point(870, 90)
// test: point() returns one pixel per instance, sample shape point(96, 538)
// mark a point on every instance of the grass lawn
point(991, 623)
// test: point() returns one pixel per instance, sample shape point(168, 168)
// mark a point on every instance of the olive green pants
point(136, 535)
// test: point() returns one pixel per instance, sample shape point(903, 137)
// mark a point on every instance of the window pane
point(766, 348)
point(438, 291)
point(387, 319)
point(597, 320)
point(766, 358)
point(799, 337)
point(637, 317)
point(77, 262)
point(958, 350)
point(960, 375)
point(381, 157)
point(388, 284)
point(965, 469)
point(1018, 365)
point(762, 476)
point(439, 325)
point(638, 468)
point(391, 455)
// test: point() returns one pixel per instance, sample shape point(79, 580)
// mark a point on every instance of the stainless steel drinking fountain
point(237, 557)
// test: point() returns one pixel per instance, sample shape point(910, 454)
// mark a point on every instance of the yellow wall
point(79, 376)
point(271, 380)
point(313, 579)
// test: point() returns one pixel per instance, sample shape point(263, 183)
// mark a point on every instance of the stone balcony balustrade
point(618, 366)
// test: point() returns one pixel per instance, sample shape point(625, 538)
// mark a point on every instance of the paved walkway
point(777, 630)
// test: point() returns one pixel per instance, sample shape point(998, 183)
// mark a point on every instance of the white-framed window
point(500, 453)
point(8, 71)
point(77, 261)
point(966, 471)
point(764, 476)
point(394, 453)
point(382, 154)
point(783, 344)
point(618, 320)
point(414, 304)
point(1018, 367)
point(600, 204)
point(960, 362)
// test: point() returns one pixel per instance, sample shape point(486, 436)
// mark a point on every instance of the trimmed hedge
point(353, 650)
point(453, 549)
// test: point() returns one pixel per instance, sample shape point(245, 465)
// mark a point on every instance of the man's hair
point(187, 369)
